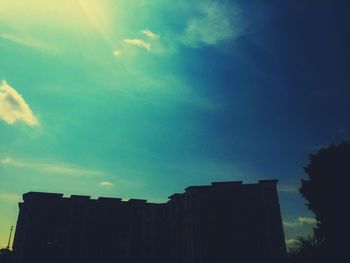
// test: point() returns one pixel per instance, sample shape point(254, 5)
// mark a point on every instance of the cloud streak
point(29, 42)
point(117, 53)
point(307, 220)
point(288, 189)
point(138, 42)
point(152, 37)
point(205, 23)
point(150, 34)
point(51, 168)
point(13, 107)
point(300, 222)
point(106, 184)
point(291, 242)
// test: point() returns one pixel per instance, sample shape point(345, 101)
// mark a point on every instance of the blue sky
point(144, 98)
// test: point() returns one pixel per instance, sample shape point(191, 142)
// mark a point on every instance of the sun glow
point(96, 16)
point(49, 16)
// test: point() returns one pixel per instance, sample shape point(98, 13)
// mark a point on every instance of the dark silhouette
point(224, 222)
point(6, 256)
point(327, 194)
point(308, 250)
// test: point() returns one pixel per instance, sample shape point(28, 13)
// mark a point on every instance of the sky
point(142, 98)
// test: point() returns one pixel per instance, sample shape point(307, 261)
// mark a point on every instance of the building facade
point(222, 222)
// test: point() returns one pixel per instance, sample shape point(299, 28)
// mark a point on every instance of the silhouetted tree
point(327, 194)
point(307, 250)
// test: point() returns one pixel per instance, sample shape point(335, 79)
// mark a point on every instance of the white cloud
point(5, 161)
point(288, 189)
point(51, 168)
point(68, 169)
point(307, 220)
point(117, 53)
point(106, 184)
point(13, 107)
point(217, 22)
point(203, 23)
point(152, 44)
point(291, 224)
point(300, 222)
point(139, 43)
point(291, 242)
point(150, 34)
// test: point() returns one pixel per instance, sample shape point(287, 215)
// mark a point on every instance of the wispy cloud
point(217, 22)
point(291, 242)
point(66, 169)
point(288, 189)
point(54, 168)
point(5, 161)
point(13, 107)
point(152, 43)
point(291, 224)
point(29, 42)
point(203, 23)
point(139, 43)
point(117, 53)
point(300, 222)
point(150, 34)
point(307, 220)
point(106, 184)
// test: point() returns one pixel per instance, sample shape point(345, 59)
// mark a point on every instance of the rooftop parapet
point(109, 199)
point(196, 188)
point(80, 197)
point(268, 182)
point(175, 196)
point(191, 189)
point(229, 183)
point(137, 201)
point(40, 195)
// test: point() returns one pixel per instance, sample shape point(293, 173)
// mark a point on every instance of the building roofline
point(227, 183)
point(269, 181)
point(41, 194)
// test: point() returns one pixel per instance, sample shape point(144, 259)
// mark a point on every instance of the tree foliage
point(327, 191)
point(308, 250)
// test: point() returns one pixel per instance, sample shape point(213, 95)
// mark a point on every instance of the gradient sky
point(142, 98)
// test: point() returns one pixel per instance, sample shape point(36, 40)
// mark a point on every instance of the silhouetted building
point(6, 256)
point(223, 222)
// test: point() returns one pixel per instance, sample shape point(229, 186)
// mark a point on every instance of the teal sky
point(142, 98)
